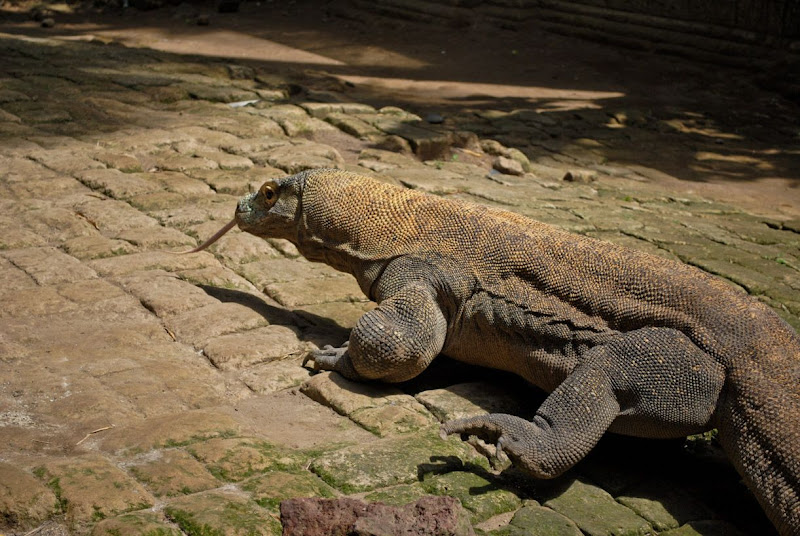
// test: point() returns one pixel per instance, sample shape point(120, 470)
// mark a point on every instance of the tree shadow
point(547, 95)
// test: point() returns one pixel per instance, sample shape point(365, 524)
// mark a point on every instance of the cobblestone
point(135, 377)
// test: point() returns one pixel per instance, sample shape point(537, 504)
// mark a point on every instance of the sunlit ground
point(700, 123)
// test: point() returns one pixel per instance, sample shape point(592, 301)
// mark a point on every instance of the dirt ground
point(716, 129)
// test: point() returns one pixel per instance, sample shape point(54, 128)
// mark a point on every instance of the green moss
point(397, 495)
point(222, 434)
point(219, 513)
point(391, 461)
point(61, 502)
point(481, 496)
point(97, 514)
point(246, 458)
point(270, 489)
point(144, 523)
point(186, 521)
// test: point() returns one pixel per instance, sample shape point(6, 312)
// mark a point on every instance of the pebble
point(434, 119)
point(580, 175)
point(507, 166)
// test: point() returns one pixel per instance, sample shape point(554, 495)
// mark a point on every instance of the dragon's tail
point(759, 425)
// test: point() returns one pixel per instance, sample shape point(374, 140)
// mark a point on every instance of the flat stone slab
point(315, 291)
point(219, 277)
point(171, 472)
point(705, 528)
point(25, 502)
point(135, 524)
point(669, 510)
point(535, 519)
point(296, 158)
point(381, 409)
point(275, 375)
point(235, 459)
point(469, 400)
point(264, 271)
point(268, 490)
point(390, 461)
point(289, 419)
point(114, 183)
point(169, 430)
point(482, 497)
point(198, 326)
point(152, 260)
point(97, 246)
point(596, 512)
point(222, 512)
point(164, 293)
point(48, 266)
point(253, 347)
point(90, 488)
point(347, 396)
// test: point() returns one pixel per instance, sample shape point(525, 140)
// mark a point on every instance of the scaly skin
point(623, 341)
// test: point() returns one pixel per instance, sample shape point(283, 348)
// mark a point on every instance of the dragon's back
point(523, 260)
point(512, 266)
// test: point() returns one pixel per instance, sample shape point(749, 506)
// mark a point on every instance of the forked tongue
point(217, 236)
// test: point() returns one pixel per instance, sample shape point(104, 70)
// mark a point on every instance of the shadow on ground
point(691, 121)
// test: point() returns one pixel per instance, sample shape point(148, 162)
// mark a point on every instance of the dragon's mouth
point(244, 211)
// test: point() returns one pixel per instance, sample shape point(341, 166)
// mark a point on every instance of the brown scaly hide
point(623, 340)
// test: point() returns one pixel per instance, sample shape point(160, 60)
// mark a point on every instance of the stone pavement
point(147, 393)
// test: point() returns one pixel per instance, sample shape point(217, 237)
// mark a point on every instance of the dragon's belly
point(540, 347)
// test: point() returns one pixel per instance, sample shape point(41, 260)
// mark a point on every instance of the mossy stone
point(270, 489)
point(482, 497)
point(221, 513)
point(135, 524)
point(391, 461)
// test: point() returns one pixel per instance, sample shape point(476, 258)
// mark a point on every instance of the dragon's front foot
point(327, 357)
point(513, 436)
point(332, 358)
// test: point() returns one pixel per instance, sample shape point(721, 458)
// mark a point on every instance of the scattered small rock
point(466, 140)
point(434, 119)
point(429, 516)
point(394, 143)
point(39, 14)
point(48, 22)
point(507, 166)
point(583, 176)
point(240, 72)
point(391, 110)
point(493, 147)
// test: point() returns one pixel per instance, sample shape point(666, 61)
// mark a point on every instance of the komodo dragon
point(622, 340)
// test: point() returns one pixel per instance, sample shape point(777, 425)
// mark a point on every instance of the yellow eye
point(268, 193)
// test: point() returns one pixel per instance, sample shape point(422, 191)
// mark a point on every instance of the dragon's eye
point(268, 192)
